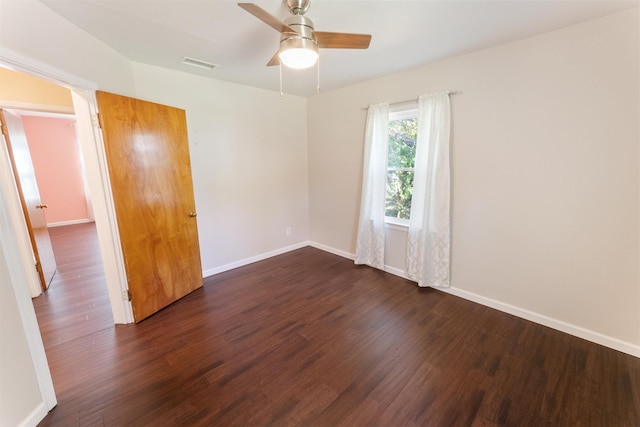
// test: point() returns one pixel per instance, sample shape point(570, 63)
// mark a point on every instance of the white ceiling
point(405, 33)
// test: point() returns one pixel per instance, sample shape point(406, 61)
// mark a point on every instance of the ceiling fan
point(299, 42)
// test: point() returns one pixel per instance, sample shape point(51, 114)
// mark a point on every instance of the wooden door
point(32, 206)
point(150, 172)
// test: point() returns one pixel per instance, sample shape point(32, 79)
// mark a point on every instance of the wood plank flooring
point(309, 339)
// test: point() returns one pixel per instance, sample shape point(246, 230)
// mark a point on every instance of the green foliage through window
point(400, 163)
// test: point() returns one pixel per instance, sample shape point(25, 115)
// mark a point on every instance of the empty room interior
point(434, 222)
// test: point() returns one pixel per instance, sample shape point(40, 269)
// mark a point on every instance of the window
point(403, 133)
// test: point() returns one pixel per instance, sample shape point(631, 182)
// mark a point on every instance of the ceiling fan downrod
point(298, 7)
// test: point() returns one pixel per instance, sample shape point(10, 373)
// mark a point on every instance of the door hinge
point(38, 267)
point(126, 295)
point(96, 120)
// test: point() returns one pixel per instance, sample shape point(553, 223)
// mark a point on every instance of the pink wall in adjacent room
point(56, 159)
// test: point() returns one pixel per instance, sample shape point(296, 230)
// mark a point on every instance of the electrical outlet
point(288, 231)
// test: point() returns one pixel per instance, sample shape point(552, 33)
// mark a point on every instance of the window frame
point(405, 110)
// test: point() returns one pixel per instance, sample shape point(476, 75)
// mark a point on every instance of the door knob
point(192, 214)
point(44, 206)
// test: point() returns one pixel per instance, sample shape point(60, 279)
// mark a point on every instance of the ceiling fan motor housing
point(305, 37)
point(300, 24)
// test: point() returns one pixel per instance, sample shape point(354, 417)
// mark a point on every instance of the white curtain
point(429, 237)
point(370, 242)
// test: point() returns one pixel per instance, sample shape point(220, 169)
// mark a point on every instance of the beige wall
point(545, 172)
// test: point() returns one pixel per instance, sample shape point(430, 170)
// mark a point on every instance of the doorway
point(83, 105)
point(61, 180)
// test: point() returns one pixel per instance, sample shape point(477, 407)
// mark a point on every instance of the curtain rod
point(449, 92)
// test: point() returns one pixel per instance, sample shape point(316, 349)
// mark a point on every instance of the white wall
point(248, 159)
point(545, 174)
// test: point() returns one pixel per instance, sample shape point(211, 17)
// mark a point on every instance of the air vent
point(198, 63)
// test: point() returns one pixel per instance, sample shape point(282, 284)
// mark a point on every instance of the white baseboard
point(397, 272)
point(332, 250)
point(596, 337)
point(541, 319)
point(387, 268)
point(72, 222)
point(37, 415)
point(251, 260)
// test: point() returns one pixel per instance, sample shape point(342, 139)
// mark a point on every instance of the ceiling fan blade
point(275, 60)
point(342, 40)
point(267, 18)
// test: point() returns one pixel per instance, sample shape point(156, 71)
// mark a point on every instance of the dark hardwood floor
point(309, 339)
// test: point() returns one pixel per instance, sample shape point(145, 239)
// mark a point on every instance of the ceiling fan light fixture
point(298, 58)
point(298, 53)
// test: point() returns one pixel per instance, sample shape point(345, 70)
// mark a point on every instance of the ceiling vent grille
point(198, 63)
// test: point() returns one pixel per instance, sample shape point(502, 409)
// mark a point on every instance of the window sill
point(396, 223)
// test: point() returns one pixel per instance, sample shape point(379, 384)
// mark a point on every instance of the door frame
point(92, 147)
